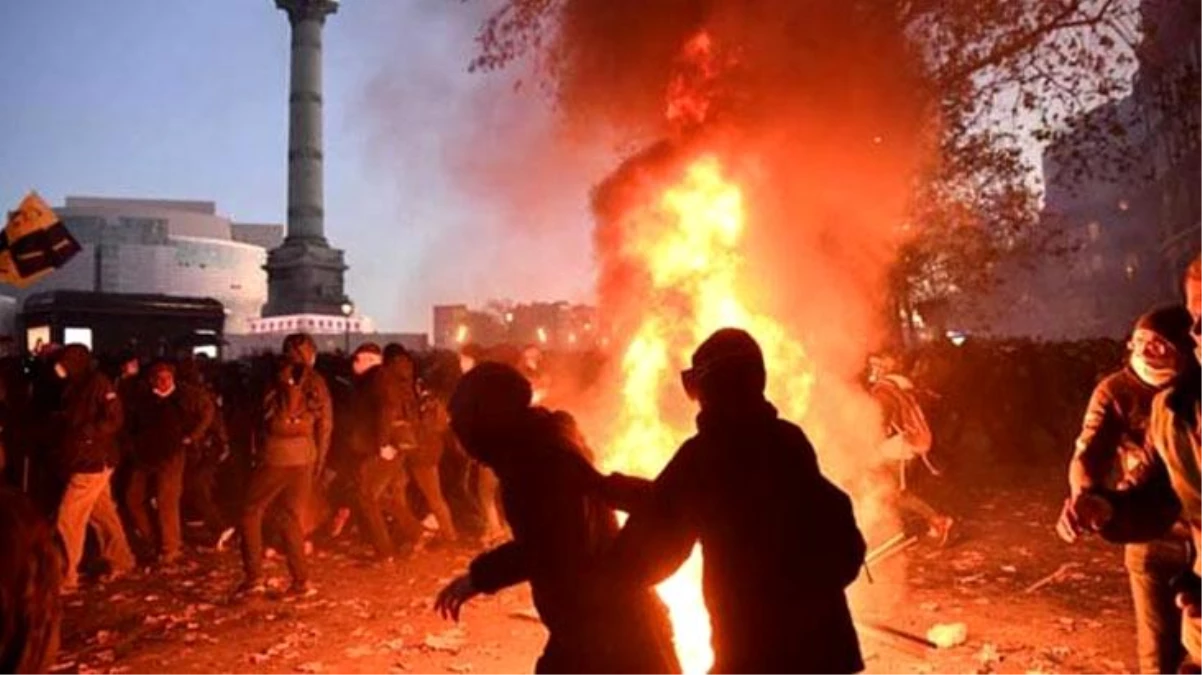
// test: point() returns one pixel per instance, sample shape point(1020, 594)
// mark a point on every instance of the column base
point(305, 276)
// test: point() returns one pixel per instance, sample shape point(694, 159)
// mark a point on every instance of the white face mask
point(1157, 374)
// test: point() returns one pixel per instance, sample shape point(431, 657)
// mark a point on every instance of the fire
point(687, 245)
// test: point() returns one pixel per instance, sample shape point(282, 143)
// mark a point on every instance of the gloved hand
point(1084, 512)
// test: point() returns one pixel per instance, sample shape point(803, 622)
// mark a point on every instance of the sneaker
point(941, 530)
point(302, 589)
point(251, 587)
point(224, 539)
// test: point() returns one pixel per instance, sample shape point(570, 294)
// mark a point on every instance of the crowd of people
point(287, 449)
point(151, 456)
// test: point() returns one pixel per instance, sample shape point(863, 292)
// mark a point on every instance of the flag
point(34, 243)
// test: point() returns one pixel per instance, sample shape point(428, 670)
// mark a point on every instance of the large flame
point(687, 244)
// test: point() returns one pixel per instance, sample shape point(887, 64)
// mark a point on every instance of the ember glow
point(688, 247)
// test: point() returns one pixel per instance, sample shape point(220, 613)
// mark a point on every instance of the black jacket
point(89, 419)
point(163, 427)
point(1111, 444)
point(561, 528)
point(780, 543)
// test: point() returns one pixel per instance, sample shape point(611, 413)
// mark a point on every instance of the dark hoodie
point(781, 543)
point(90, 416)
point(561, 528)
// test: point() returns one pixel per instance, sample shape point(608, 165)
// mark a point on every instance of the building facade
point(168, 247)
point(551, 325)
point(1167, 88)
point(1131, 225)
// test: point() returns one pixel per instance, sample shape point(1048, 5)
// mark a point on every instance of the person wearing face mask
point(168, 420)
point(1111, 454)
point(85, 452)
point(1171, 491)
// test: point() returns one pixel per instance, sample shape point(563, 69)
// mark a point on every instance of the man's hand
point(388, 453)
point(451, 599)
point(1086, 512)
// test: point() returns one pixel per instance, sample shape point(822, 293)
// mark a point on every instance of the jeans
point(168, 480)
point(1151, 568)
point(89, 499)
point(292, 485)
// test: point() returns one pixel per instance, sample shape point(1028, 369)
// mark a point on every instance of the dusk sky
point(442, 186)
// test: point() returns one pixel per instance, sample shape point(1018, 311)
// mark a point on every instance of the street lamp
point(347, 309)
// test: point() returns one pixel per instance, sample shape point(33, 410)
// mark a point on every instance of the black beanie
point(1171, 323)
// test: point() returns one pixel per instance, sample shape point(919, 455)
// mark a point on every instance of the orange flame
point(688, 246)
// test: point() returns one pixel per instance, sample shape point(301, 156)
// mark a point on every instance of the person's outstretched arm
point(660, 532)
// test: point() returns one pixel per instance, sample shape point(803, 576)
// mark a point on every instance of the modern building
point(1129, 226)
point(1104, 268)
point(159, 246)
point(1167, 88)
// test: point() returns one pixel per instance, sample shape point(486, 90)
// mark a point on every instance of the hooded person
point(1111, 453)
point(87, 423)
point(562, 525)
point(293, 438)
point(1168, 494)
point(781, 541)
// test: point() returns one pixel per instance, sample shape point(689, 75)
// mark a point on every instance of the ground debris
point(448, 641)
point(358, 651)
point(948, 635)
point(311, 667)
point(460, 667)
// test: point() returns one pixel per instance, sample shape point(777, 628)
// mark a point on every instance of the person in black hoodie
point(168, 420)
point(559, 510)
point(86, 425)
point(781, 541)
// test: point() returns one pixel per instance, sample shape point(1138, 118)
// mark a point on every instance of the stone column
point(305, 192)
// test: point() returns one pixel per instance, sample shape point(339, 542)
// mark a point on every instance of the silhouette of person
point(780, 541)
point(562, 524)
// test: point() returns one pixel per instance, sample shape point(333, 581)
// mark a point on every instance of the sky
point(437, 183)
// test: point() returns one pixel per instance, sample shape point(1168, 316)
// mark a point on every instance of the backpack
point(290, 412)
point(909, 434)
